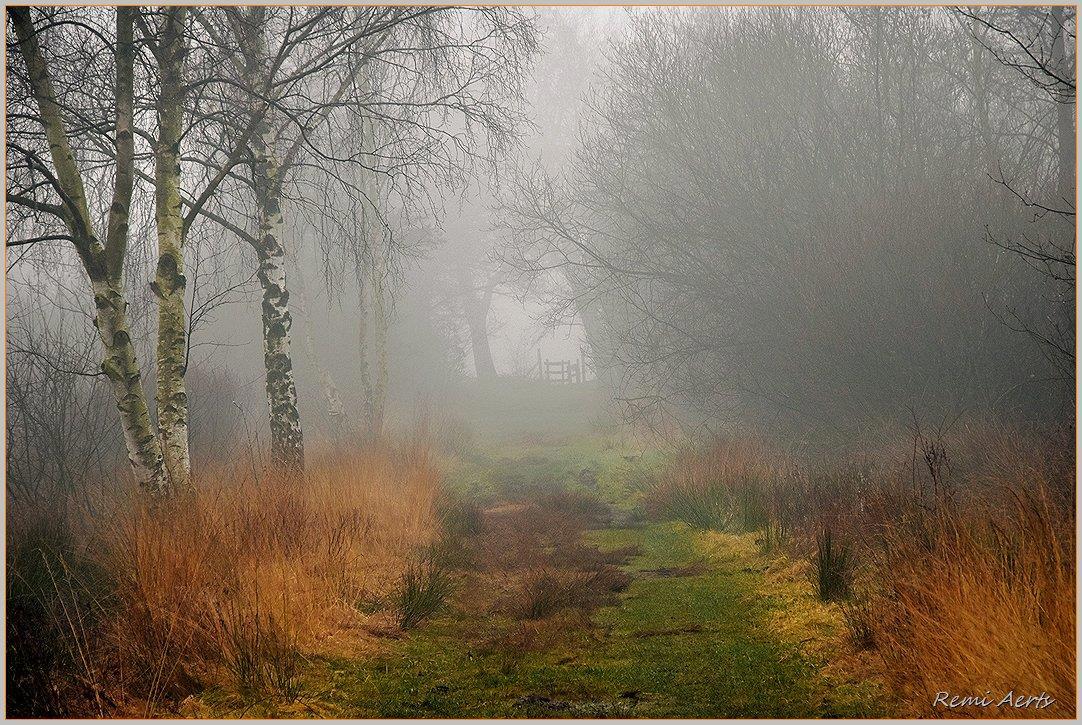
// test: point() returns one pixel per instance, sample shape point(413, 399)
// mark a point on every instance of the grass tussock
point(724, 487)
point(547, 591)
point(235, 584)
point(982, 599)
point(832, 568)
point(966, 544)
point(422, 590)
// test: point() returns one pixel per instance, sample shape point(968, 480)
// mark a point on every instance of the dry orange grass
point(235, 583)
point(978, 593)
point(720, 486)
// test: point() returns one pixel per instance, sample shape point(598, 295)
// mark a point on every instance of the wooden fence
point(561, 371)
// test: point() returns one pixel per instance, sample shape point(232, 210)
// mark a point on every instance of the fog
point(503, 362)
point(802, 221)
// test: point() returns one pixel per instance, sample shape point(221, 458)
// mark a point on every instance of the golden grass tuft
point(981, 600)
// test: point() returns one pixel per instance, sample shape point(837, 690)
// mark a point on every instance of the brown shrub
point(543, 592)
point(581, 510)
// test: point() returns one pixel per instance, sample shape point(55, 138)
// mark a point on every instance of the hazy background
point(806, 216)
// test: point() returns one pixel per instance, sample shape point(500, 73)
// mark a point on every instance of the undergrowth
point(965, 539)
point(120, 609)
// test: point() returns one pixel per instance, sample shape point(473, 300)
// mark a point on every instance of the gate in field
point(561, 371)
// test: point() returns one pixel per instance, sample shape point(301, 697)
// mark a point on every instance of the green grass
point(696, 645)
point(680, 646)
point(605, 465)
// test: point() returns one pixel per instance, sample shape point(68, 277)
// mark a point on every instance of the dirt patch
point(695, 568)
point(590, 558)
point(533, 571)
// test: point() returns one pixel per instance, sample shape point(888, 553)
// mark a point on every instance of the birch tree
point(408, 103)
point(56, 188)
point(169, 282)
point(270, 102)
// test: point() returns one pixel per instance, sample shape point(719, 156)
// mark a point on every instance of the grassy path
point(690, 637)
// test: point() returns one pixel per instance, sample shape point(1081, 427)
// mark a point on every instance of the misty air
point(530, 362)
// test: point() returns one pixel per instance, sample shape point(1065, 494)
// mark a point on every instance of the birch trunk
point(104, 263)
point(372, 332)
point(371, 283)
point(364, 370)
point(169, 282)
point(378, 400)
point(122, 368)
point(287, 439)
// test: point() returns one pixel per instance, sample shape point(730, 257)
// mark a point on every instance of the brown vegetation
point(952, 555)
point(533, 569)
point(129, 609)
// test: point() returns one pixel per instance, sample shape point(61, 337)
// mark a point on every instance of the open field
point(596, 618)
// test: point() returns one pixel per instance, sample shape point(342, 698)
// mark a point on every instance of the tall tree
point(102, 260)
point(476, 303)
point(169, 282)
point(287, 439)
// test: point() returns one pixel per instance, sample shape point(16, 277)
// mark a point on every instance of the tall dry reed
point(237, 582)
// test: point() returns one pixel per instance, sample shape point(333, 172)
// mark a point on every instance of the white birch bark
point(169, 281)
point(287, 438)
point(104, 263)
point(121, 366)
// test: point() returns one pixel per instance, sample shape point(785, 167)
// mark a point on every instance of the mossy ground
point(698, 633)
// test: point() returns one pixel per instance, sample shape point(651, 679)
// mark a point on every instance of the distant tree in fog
point(473, 274)
point(757, 212)
point(572, 61)
point(438, 107)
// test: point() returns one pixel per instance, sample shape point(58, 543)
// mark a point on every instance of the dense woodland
point(820, 264)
